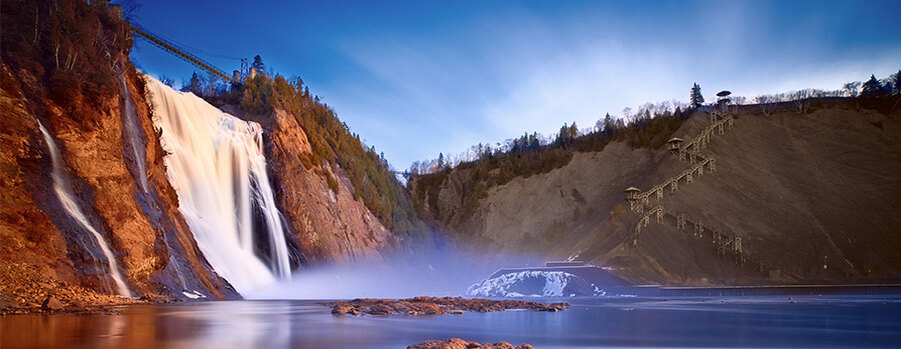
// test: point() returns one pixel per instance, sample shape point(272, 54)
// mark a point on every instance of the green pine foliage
point(896, 82)
point(527, 157)
point(697, 99)
point(872, 87)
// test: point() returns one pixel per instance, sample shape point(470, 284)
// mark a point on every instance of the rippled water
point(759, 321)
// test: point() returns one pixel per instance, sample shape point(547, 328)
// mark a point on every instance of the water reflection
point(847, 321)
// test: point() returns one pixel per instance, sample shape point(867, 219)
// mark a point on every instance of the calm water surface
point(755, 321)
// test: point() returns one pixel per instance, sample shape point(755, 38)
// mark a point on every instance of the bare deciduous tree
point(852, 88)
point(767, 104)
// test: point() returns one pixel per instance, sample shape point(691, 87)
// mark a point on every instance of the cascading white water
point(66, 198)
point(133, 132)
point(217, 167)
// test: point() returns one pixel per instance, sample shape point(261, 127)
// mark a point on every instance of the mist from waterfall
point(216, 164)
point(66, 197)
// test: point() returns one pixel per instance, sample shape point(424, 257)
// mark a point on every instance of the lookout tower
point(675, 144)
point(632, 194)
point(722, 99)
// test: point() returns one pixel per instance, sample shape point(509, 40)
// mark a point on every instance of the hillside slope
point(813, 196)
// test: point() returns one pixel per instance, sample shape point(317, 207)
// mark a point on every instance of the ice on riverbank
point(535, 284)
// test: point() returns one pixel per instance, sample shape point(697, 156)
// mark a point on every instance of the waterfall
point(216, 164)
point(67, 199)
point(133, 132)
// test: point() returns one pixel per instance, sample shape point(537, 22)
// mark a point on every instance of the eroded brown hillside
point(814, 197)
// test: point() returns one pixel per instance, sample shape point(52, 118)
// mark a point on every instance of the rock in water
point(434, 306)
point(52, 304)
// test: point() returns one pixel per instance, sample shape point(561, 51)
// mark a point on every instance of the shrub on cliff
point(69, 46)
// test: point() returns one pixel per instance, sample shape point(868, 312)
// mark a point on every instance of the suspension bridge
point(178, 51)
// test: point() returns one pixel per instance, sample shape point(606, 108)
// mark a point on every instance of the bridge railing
point(173, 49)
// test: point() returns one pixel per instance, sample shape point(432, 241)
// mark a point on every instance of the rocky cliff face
point(88, 96)
point(39, 240)
point(329, 226)
point(814, 197)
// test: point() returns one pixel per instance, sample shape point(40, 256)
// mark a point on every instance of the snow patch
point(193, 294)
point(535, 284)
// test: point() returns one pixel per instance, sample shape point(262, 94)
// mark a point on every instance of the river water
point(813, 321)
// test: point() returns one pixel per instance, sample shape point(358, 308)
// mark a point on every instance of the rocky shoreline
point(33, 293)
point(457, 343)
point(434, 306)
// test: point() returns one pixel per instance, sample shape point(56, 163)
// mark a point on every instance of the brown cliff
point(329, 226)
point(40, 244)
point(92, 101)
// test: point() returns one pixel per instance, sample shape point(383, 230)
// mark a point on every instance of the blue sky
point(415, 78)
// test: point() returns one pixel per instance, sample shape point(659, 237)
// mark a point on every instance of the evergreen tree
point(194, 85)
point(872, 87)
point(258, 64)
point(609, 124)
point(563, 135)
point(534, 143)
point(696, 98)
point(441, 163)
point(896, 80)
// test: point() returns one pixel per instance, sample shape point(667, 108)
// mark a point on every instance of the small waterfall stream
point(133, 132)
point(216, 165)
point(66, 198)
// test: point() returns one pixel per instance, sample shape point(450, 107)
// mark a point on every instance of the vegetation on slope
point(651, 127)
point(527, 156)
point(68, 47)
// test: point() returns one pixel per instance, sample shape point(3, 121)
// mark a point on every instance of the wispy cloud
point(419, 78)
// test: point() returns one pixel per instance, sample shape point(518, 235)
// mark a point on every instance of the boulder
point(52, 304)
